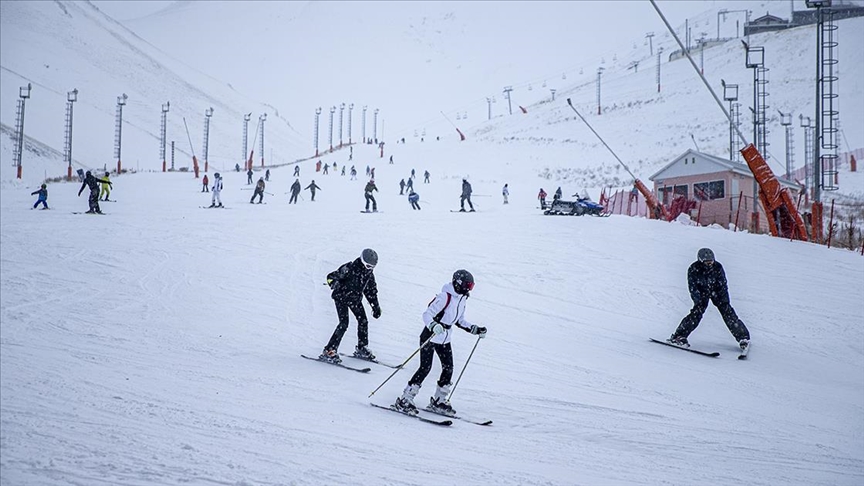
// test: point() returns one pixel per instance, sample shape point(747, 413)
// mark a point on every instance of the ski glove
point(376, 312)
point(478, 331)
point(436, 327)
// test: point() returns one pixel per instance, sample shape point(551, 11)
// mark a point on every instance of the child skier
point(205, 182)
point(350, 283)
point(414, 199)
point(217, 189)
point(446, 310)
point(43, 197)
point(259, 191)
point(542, 197)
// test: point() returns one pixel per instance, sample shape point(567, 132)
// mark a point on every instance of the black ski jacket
point(93, 183)
point(351, 282)
point(466, 189)
point(706, 282)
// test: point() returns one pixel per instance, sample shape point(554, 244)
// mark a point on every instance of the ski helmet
point(705, 255)
point(216, 175)
point(44, 186)
point(463, 281)
point(87, 174)
point(369, 258)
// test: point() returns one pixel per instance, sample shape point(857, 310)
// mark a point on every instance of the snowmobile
point(579, 207)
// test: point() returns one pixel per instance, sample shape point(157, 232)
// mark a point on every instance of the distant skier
point(217, 190)
point(506, 193)
point(446, 310)
point(412, 173)
point(249, 176)
point(557, 194)
point(391, 159)
point(410, 185)
point(296, 171)
point(343, 170)
point(353, 173)
point(402, 187)
point(313, 187)
point(542, 197)
point(43, 197)
point(236, 167)
point(267, 175)
point(466, 196)
point(372, 173)
point(350, 283)
point(205, 184)
point(295, 191)
point(706, 281)
point(326, 168)
point(367, 171)
point(259, 191)
point(367, 192)
point(93, 184)
point(414, 199)
point(426, 177)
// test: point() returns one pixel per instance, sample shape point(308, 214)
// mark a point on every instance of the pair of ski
point(347, 367)
point(714, 354)
point(433, 421)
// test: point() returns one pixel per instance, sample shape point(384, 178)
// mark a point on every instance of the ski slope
point(160, 343)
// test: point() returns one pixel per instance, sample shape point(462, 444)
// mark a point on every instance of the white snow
point(160, 344)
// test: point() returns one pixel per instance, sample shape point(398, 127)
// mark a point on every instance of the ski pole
point(403, 364)
point(463, 369)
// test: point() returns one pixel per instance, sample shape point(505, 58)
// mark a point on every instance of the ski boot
point(330, 356)
point(439, 403)
point(744, 343)
point(462, 210)
point(362, 352)
point(678, 341)
point(212, 205)
point(405, 403)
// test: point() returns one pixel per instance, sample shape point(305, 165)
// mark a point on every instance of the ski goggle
point(369, 266)
point(469, 285)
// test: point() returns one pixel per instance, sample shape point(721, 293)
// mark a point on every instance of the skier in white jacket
point(444, 312)
point(217, 188)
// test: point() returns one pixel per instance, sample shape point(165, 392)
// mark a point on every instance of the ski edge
point(714, 354)
point(484, 423)
point(418, 417)
point(359, 370)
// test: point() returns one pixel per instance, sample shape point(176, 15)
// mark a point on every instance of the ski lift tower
point(71, 98)
point(163, 141)
point(118, 130)
point(317, 115)
point(730, 94)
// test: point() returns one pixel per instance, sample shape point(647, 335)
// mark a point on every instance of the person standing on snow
point(105, 187)
point(506, 193)
point(426, 177)
point(353, 173)
point(206, 184)
point(296, 171)
point(542, 197)
point(466, 196)
point(43, 197)
point(402, 187)
point(350, 283)
point(557, 194)
point(217, 189)
point(706, 281)
point(267, 175)
point(259, 191)
point(313, 187)
point(367, 193)
point(93, 184)
point(444, 312)
point(410, 185)
point(249, 176)
point(295, 191)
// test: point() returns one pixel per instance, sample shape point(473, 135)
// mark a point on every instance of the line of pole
point(189, 137)
point(453, 390)
point(601, 139)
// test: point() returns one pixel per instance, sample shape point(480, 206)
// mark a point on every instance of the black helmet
point(369, 258)
point(107, 174)
point(463, 281)
point(88, 173)
point(44, 186)
point(705, 255)
point(216, 175)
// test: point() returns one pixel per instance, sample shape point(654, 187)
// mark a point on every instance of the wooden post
point(831, 224)
point(738, 211)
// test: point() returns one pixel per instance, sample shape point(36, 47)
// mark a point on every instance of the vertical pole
point(341, 114)
point(738, 211)
point(172, 155)
point(599, 71)
point(261, 120)
point(206, 152)
point(71, 98)
point(488, 108)
point(375, 125)
point(163, 141)
point(658, 69)
point(817, 139)
point(332, 110)
point(317, 114)
point(350, 110)
point(831, 224)
point(364, 123)
point(118, 143)
point(246, 118)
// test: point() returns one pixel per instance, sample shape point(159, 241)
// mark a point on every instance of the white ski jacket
point(454, 313)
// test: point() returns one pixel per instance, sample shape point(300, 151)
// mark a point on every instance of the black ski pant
point(370, 197)
point(313, 195)
point(721, 301)
point(359, 312)
point(260, 195)
point(205, 188)
point(462, 202)
point(94, 200)
point(414, 205)
point(445, 355)
point(293, 198)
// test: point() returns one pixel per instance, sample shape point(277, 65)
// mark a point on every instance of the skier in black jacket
point(466, 196)
point(350, 283)
point(707, 281)
point(93, 183)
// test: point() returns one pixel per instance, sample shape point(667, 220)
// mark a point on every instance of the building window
point(668, 193)
point(706, 191)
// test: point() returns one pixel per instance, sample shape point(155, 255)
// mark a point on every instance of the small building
point(765, 23)
point(722, 189)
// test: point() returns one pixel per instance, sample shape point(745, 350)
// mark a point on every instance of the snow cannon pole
point(403, 364)
point(653, 204)
point(252, 152)
point(463, 369)
point(194, 159)
point(461, 135)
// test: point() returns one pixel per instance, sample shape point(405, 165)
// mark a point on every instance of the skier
point(707, 281)
point(372, 173)
point(295, 191)
point(326, 168)
point(105, 187)
point(466, 196)
point(367, 192)
point(402, 187)
point(410, 186)
point(43, 197)
point(350, 283)
point(505, 192)
point(412, 173)
point(414, 199)
point(236, 167)
point(367, 171)
point(206, 184)
point(93, 184)
point(249, 177)
point(446, 310)
point(217, 189)
point(353, 173)
point(334, 166)
point(313, 187)
point(296, 171)
point(267, 175)
point(343, 170)
point(426, 177)
point(259, 191)
point(391, 159)
point(557, 194)
point(542, 197)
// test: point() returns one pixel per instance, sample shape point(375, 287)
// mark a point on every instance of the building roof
point(732, 166)
point(768, 19)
